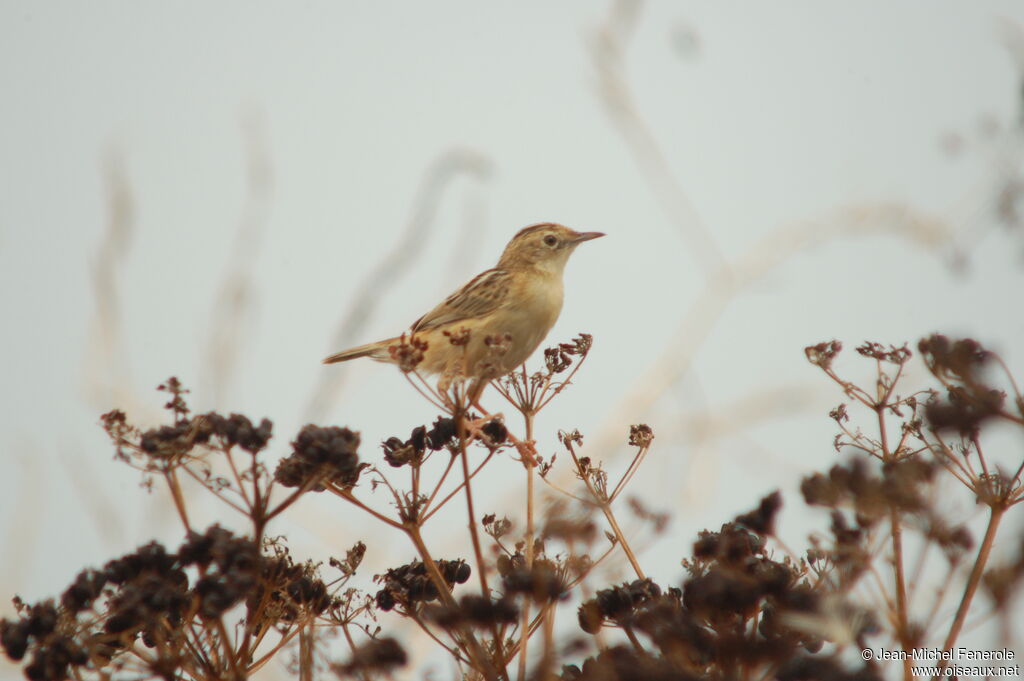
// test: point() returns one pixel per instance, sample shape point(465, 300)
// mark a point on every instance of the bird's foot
point(527, 450)
point(489, 427)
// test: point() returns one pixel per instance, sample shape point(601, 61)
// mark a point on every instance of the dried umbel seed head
point(580, 345)
point(177, 402)
point(995, 489)
point(616, 604)
point(507, 564)
point(496, 527)
point(572, 437)
point(570, 527)
point(409, 585)
point(40, 630)
point(459, 337)
point(165, 441)
point(376, 656)
point(892, 354)
point(408, 354)
point(963, 410)
point(627, 663)
point(86, 588)
point(954, 360)
point(150, 558)
point(51, 660)
point(219, 547)
point(495, 431)
point(288, 591)
point(476, 611)
point(398, 453)
point(822, 354)
point(169, 444)
point(352, 560)
point(238, 430)
point(14, 638)
point(560, 357)
point(905, 483)
point(640, 435)
point(720, 592)
point(411, 451)
point(543, 582)
point(442, 433)
point(324, 454)
point(902, 486)
point(732, 545)
point(761, 520)
point(556, 361)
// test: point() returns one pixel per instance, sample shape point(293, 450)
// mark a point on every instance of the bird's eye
point(551, 240)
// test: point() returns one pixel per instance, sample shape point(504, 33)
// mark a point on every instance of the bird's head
point(546, 246)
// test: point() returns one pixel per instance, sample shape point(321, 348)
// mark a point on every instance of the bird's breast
point(531, 309)
point(530, 316)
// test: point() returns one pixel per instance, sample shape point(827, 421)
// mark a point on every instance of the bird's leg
point(476, 390)
point(527, 449)
point(475, 427)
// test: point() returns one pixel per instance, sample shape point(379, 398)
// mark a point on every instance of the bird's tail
point(377, 351)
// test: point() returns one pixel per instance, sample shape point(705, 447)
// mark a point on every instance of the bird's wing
point(483, 294)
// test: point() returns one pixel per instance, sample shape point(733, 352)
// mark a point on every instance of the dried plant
point(223, 604)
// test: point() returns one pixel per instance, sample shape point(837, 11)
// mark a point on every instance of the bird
point(493, 323)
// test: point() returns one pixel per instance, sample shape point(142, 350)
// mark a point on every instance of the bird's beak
point(585, 236)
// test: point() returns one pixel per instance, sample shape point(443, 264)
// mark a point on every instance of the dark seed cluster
point(897, 486)
point(624, 663)
point(761, 521)
point(378, 655)
point(409, 585)
point(441, 435)
point(288, 591)
point(706, 629)
point(474, 610)
point(969, 401)
point(543, 582)
point(212, 427)
point(496, 432)
point(230, 567)
point(616, 604)
point(202, 611)
point(156, 596)
point(319, 455)
point(169, 446)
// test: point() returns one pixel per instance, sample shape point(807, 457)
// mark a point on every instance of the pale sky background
point(769, 115)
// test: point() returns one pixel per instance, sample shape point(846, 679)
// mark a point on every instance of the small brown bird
point(513, 306)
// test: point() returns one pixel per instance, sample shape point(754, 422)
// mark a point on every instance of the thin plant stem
point(901, 593)
point(347, 495)
point(529, 465)
point(628, 475)
point(896, 531)
point(632, 638)
point(477, 655)
point(602, 502)
point(440, 483)
point(179, 499)
point(351, 646)
point(455, 491)
point(607, 510)
point(481, 566)
point(305, 653)
point(974, 579)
